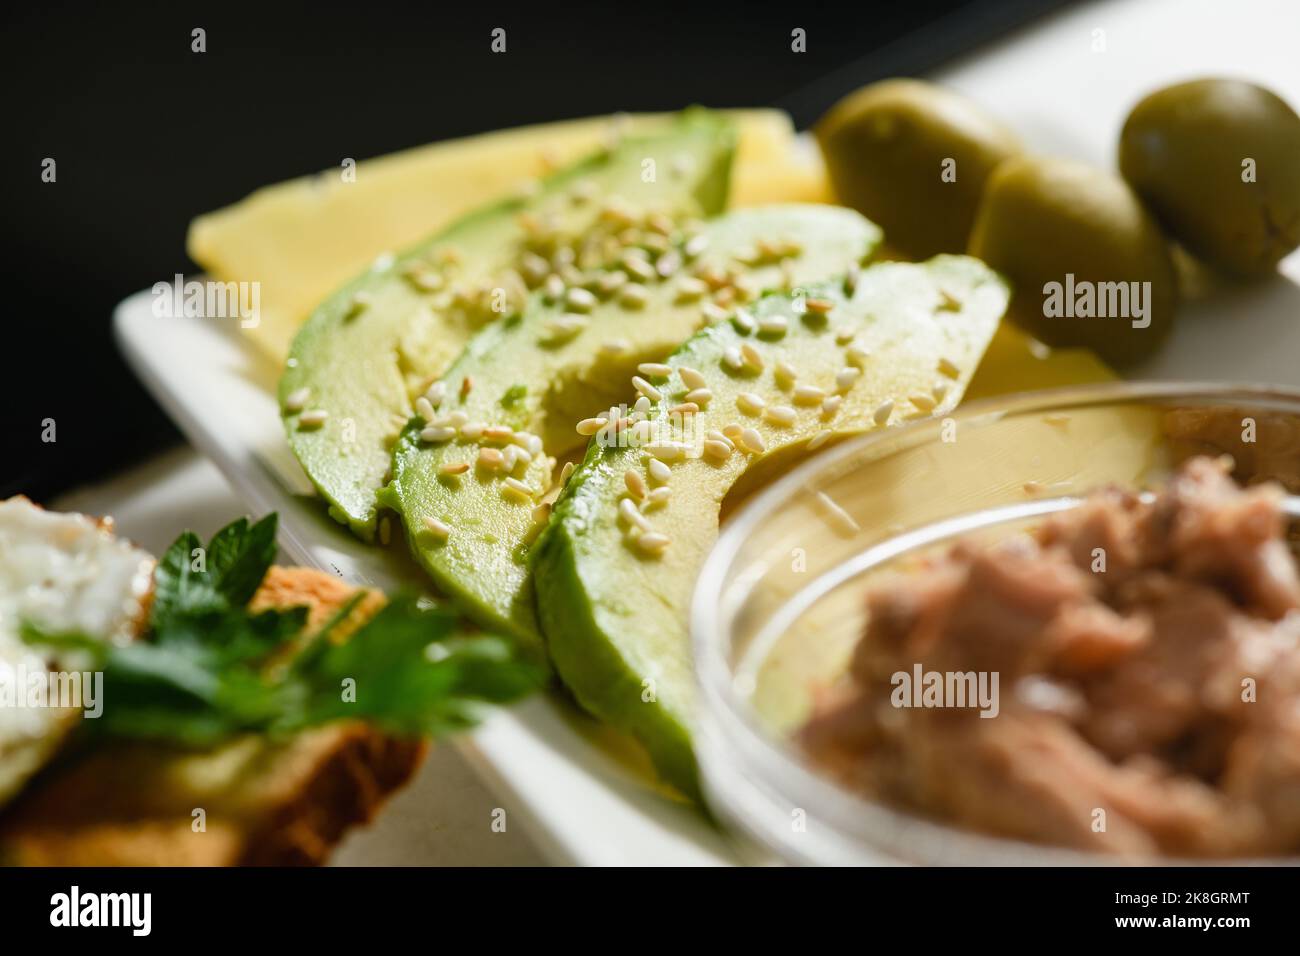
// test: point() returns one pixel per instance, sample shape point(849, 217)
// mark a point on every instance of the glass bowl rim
point(772, 766)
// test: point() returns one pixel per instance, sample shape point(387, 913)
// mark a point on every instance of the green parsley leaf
point(210, 668)
point(192, 581)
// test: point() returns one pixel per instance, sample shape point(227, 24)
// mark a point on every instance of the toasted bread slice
point(248, 802)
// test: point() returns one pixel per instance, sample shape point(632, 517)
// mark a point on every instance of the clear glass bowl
point(779, 603)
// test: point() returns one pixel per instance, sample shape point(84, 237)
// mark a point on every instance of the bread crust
point(262, 802)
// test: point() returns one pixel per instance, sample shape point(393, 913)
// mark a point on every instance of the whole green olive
point(1218, 162)
point(913, 157)
point(1087, 263)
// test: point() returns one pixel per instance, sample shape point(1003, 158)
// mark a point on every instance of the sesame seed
point(566, 472)
point(744, 322)
point(615, 347)
point(751, 356)
point(297, 399)
point(436, 528)
point(534, 268)
point(659, 497)
point(522, 454)
point(691, 378)
point(685, 408)
point(782, 415)
point(659, 223)
point(437, 433)
point(699, 396)
point(654, 369)
point(653, 543)
point(718, 450)
point(695, 246)
point(844, 335)
point(490, 458)
point(752, 442)
point(472, 431)
point(638, 267)
point(509, 458)
point(732, 359)
point(528, 442)
point(922, 402)
point(808, 395)
point(589, 426)
point(818, 440)
point(712, 314)
point(831, 406)
point(580, 300)
point(881, 414)
point(659, 472)
point(715, 435)
point(857, 355)
point(819, 306)
point(690, 289)
point(668, 263)
point(514, 488)
point(773, 325)
point(948, 367)
point(749, 403)
point(633, 297)
point(641, 405)
point(784, 373)
point(646, 389)
point(939, 391)
point(666, 450)
point(642, 432)
point(499, 434)
point(561, 328)
point(611, 282)
point(553, 287)
point(313, 418)
point(437, 393)
point(732, 431)
point(846, 378)
point(459, 468)
point(424, 408)
point(627, 510)
point(636, 485)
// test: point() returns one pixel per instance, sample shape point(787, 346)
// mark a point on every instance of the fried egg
point(61, 572)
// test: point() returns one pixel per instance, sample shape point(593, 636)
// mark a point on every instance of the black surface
point(147, 134)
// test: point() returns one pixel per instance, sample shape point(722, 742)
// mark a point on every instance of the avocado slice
point(533, 376)
point(615, 567)
point(357, 364)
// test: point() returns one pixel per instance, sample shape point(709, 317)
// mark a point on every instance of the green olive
point(1087, 263)
point(913, 157)
point(1218, 162)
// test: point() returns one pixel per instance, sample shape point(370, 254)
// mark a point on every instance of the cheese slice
point(301, 239)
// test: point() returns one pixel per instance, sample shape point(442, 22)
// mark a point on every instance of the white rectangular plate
point(1052, 82)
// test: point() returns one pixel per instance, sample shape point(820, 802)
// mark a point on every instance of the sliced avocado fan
point(357, 364)
point(615, 567)
point(471, 469)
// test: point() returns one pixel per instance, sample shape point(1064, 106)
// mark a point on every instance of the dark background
point(147, 134)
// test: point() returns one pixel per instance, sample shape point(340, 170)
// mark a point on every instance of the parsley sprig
point(210, 668)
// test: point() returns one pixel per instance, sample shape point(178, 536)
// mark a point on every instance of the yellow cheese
point(301, 239)
point(1015, 362)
